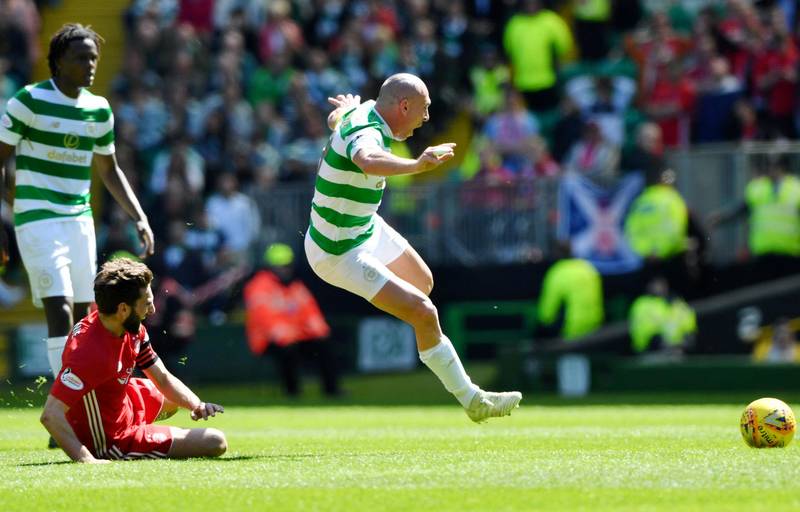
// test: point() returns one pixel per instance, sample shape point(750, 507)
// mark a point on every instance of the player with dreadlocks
point(58, 129)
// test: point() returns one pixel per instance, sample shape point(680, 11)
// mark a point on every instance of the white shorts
point(361, 270)
point(60, 257)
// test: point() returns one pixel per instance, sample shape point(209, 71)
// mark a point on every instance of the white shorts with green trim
point(60, 257)
point(361, 270)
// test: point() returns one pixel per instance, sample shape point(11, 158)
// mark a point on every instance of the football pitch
point(546, 456)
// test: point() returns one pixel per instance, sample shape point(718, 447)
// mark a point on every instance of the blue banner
point(591, 218)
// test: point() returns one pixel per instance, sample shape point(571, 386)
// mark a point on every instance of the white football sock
point(443, 360)
point(55, 347)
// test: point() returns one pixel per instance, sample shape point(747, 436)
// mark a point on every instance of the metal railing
point(476, 223)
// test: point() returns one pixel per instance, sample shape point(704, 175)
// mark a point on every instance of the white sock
point(443, 360)
point(55, 347)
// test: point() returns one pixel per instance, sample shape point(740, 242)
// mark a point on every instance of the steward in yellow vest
point(657, 225)
point(575, 284)
point(772, 203)
point(657, 321)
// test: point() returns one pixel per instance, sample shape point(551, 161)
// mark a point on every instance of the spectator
point(743, 123)
point(669, 101)
point(8, 86)
point(536, 40)
point(322, 79)
point(772, 201)
point(426, 48)
point(325, 22)
point(134, 72)
point(283, 320)
point(775, 79)
point(592, 156)
point(717, 96)
point(198, 14)
point(172, 204)
point(647, 156)
point(661, 324)
point(118, 235)
point(271, 83)
point(488, 78)
point(235, 215)
point(653, 46)
point(145, 111)
point(778, 344)
point(510, 133)
point(179, 270)
point(280, 34)
point(657, 229)
point(212, 140)
point(737, 32)
point(15, 46)
point(572, 290)
point(209, 242)
point(181, 161)
point(568, 128)
point(592, 23)
point(604, 100)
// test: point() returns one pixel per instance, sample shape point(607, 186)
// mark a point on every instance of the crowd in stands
point(220, 101)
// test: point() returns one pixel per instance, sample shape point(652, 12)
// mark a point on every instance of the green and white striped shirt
point(345, 198)
point(56, 137)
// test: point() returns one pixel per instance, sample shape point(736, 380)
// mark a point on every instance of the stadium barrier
point(477, 223)
point(718, 361)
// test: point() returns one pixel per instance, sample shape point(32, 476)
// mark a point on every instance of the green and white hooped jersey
point(345, 198)
point(56, 137)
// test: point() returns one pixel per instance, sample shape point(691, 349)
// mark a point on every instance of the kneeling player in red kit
point(96, 411)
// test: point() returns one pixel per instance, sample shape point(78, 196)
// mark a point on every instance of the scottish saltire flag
point(591, 218)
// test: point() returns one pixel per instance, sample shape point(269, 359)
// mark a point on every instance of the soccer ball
point(767, 423)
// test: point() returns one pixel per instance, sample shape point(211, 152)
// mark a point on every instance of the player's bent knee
point(197, 442)
point(425, 313)
point(217, 443)
point(426, 286)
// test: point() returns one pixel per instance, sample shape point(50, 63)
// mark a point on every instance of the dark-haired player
point(59, 129)
point(96, 411)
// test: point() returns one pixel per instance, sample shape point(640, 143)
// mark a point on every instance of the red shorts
point(143, 440)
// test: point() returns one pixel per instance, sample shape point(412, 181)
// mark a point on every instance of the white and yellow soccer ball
point(768, 423)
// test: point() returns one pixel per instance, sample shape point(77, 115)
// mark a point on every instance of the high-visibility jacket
point(658, 222)
point(774, 216)
point(280, 314)
point(532, 41)
point(652, 316)
point(592, 10)
point(576, 284)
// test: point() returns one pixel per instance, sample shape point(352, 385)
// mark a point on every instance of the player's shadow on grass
point(293, 456)
point(235, 458)
point(53, 463)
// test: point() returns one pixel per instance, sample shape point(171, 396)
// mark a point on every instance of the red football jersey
point(96, 368)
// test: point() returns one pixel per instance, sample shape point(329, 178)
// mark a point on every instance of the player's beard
point(132, 323)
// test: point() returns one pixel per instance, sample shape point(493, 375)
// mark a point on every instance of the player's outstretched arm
point(177, 392)
point(117, 184)
point(343, 104)
point(54, 419)
point(382, 163)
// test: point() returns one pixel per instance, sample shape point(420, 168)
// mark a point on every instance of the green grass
point(405, 458)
